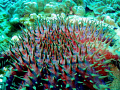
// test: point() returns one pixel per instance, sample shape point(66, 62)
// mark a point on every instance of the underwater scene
point(59, 44)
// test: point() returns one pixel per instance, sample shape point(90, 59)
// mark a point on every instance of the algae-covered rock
point(80, 2)
point(116, 6)
point(118, 13)
point(117, 1)
point(118, 22)
point(103, 9)
point(93, 5)
point(49, 8)
point(33, 17)
point(109, 10)
point(3, 16)
point(55, 7)
point(30, 7)
point(62, 15)
point(69, 3)
point(3, 38)
point(24, 7)
point(4, 24)
point(41, 5)
point(79, 10)
point(16, 8)
point(104, 6)
point(14, 19)
point(99, 10)
point(15, 38)
point(109, 20)
point(15, 24)
point(89, 14)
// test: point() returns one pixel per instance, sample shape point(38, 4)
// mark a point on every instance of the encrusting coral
point(59, 55)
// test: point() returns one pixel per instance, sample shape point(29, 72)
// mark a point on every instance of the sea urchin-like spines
point(59, 55)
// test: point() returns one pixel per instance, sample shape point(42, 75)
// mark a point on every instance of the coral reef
point(100, 8)
point(59, 55)
point(12, 11)
point(4, 26)
point(104, 7)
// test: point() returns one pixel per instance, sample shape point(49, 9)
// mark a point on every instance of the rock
point(30, 7)
point(109, 21)
point(118, 13)
point(79, 10)
point(94, 5)
point(33, 17)
point(69, 3)
point(63, 15)
point(118, 22)
point(41, 5)
point(49, 8)
point(15, 38)
point(80, 2)
point(14, 19)
point(109, 10)
point(116, 6)
point(55, 7)
point(3, 16)
point(99, 10)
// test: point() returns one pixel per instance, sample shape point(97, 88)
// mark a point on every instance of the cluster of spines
point(62, 56)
